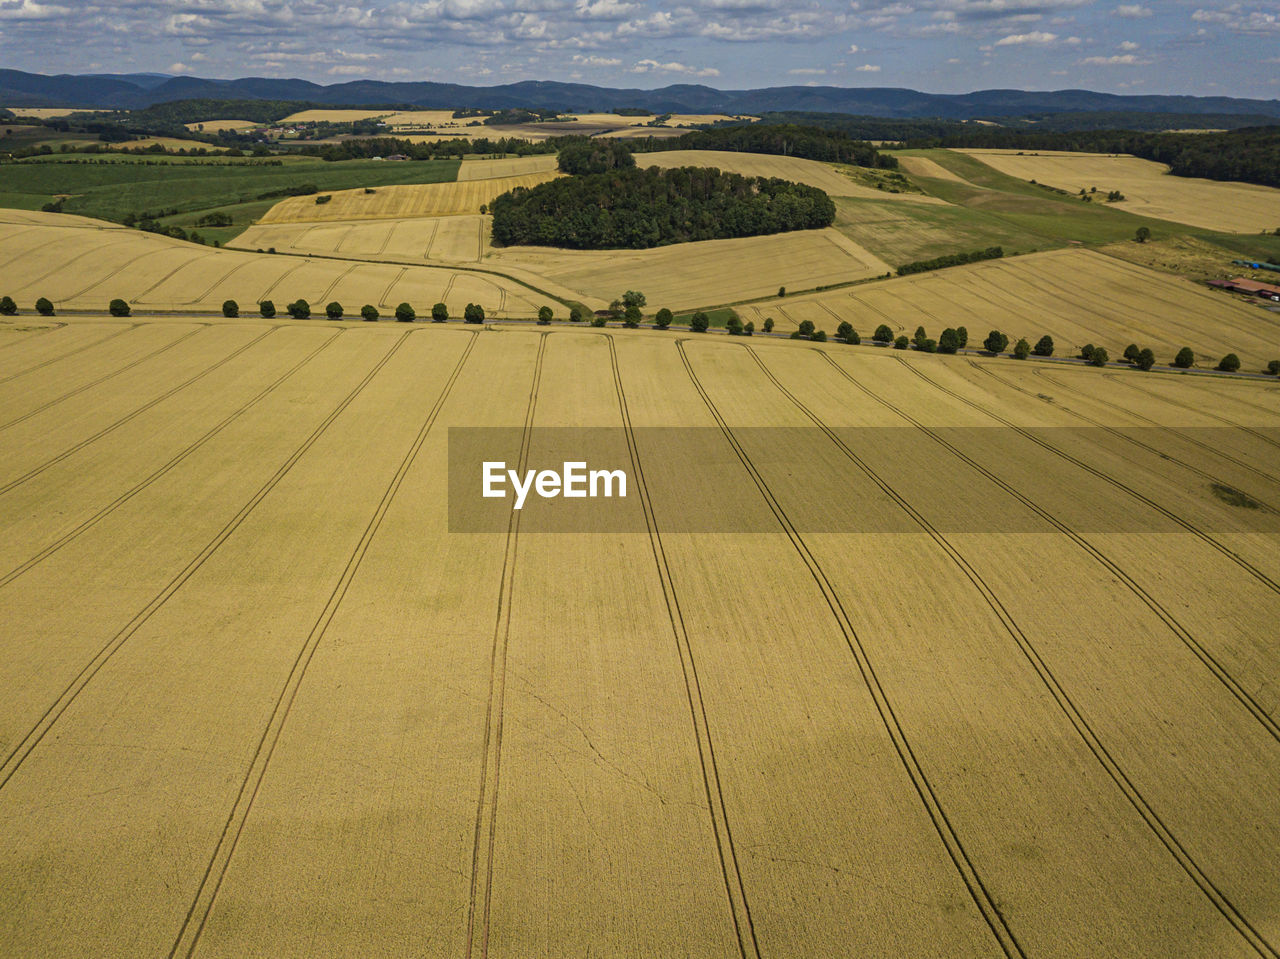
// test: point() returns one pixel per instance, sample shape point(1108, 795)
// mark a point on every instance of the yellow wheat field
point(1075, 296)
point(217, 126)
point(414, 200)
point(169, 143)
point(1149, 189)
point(685, 274)
point(42, 113)
point(824, 176)
point(84, 268)
point(477, 169)
point(953, 697)
point(926, 167)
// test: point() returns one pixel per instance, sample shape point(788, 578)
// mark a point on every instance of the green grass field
point(112, 189)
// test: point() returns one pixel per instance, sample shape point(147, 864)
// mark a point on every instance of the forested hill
point(113, 92)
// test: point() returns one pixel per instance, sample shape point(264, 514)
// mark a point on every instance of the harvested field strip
point(496, 169)
point(395, 202)
point(189, 935)
point(24, 747)
point(169, 465)
point(480, 900)
point(168, 338)
point(36, 449)
point(730, 869)
point(1086, 731)
point(977, 889)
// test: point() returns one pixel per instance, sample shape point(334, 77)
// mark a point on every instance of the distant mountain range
point(130, 91)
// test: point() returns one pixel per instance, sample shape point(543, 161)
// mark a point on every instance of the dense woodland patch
point(639, 208)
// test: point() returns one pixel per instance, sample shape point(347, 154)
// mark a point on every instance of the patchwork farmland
point(884, 652)
point(735, 744)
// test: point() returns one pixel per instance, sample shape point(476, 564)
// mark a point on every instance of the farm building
point(1250, 287)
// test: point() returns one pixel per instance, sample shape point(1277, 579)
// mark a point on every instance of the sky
point(938, 46)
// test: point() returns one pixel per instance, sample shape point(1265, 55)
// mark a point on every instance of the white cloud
point(807, 72)
point(1131, 11)
point(1128, 45)
point(868, 68)
point(653, 66)
point(1119, 60)
point(31, 10)
point(1235, 18)
point(594, 61)
point(179, 68)
point(1035, 36)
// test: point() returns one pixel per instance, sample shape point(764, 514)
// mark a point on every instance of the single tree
point(1146, 360)
point(927, 345)
point(267, 309)
point(919, 337)
point(1142, 235)
point(299, 309)
point(405, 313)
point(576, 314)
point(1086, 351)
point(545, 315)
point(750, 328)
point(439, 313)
point(733, 325)
point(844, 330)
point(599, 319)
point(7, 306)
point(901, 343)
point(1044, 346)
point(44, 307)
point(1273, 367)
point(1099, 357)
point(883, 334)
point(996, 342)
point(948, 341)
point(1021, 349)
point(963, 335)
point(334, 310)
point(806, 327)
point(474, 313)
point(782, 291)
point(230, 308)
point(1230, 363)
point(699, 322)
point(632, 298)
point(369, 312)
point(631, 316)
point(1185, 359)
point(768, 324)
point(1131, 353)
point(819, 336)
point(663, 319)
point(119, 308)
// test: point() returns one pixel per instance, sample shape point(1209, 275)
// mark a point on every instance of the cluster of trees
point(595, 156)
point(951, 259)
point(808, 141)
point(404, 313)
point(637, 209)
point(364, 149)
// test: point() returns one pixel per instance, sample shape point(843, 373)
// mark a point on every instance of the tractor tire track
point(482, 851)
point(102, 379)
point(1210, 662)
point(188, 938)
point(36, 471)
point(1173, 517)
point(123, 498)
point(13, 762)
point(1086, 732)
point(735, 890)
point(80, 349)
point(981, 896)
